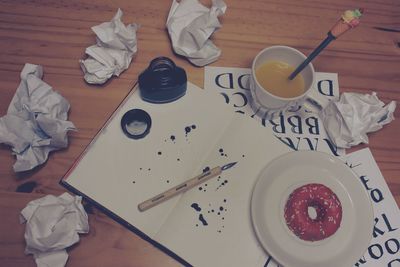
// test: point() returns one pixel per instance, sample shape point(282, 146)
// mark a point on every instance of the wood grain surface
point(55, 34)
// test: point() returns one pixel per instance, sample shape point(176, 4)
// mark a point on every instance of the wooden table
point(55, 34)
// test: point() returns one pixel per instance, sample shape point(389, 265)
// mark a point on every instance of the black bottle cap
point(162, 81)
point(136, 123)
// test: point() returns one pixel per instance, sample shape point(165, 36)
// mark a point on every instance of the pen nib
point(229, 165)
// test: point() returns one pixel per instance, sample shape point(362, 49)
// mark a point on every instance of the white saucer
point(290, 171)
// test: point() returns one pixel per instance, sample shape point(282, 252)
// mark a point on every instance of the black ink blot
point(178, 159)
point(26, 187)
point(222, 184)
point(196, 206)
point(172, 137)
point(167, 181)
point(159, 153)
point(242, 156)
point(203, 221)
point(134, 182)
point(187, 130)
point(149, 169)
point(221, 208)
point(225, 200)
point(221, 152)
point(206, 169)
point(200, 188)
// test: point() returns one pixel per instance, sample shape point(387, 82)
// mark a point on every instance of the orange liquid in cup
point(273, 77)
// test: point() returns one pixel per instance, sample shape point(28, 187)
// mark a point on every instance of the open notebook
point(209, 225)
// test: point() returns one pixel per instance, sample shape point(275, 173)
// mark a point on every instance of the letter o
point(376, 195)
point(372, 253)
point(396, 243)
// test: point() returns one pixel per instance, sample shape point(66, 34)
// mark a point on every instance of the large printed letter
point(278, 127)
point(295, 122)
point(229, 80)
point(325, 87)
point(313, 125)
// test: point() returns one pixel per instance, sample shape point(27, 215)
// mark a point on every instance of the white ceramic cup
point(264, 101)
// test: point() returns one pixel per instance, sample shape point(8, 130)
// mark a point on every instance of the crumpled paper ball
point(53, 224)
point(348, 120)
point(36, 121)
point(190, 26)
point(116, 45)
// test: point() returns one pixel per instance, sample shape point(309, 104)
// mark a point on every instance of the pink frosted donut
point(326, 205)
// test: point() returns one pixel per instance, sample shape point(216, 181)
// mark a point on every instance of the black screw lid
point(136, 123)
point(162, 81)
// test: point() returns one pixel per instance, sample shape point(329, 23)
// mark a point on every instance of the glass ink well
point(162, 81)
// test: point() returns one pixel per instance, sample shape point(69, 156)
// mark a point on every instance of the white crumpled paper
point(348, 120)
point(52, 225)
point(36, 121)
point(116, 45)
point(190, 25)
